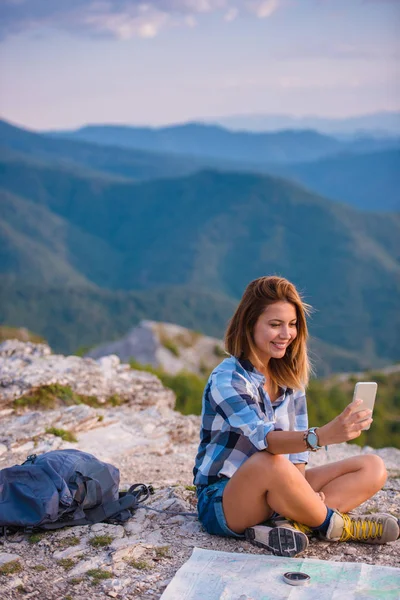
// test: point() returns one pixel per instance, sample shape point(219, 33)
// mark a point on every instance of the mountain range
point(379, 124)
point(368, 179)
point(89, 249)
point(215, 142)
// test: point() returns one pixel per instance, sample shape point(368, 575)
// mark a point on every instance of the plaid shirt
point(237, 414)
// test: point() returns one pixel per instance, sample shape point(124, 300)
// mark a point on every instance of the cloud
point(262, 8)
point(231, 14)
point(121, 19)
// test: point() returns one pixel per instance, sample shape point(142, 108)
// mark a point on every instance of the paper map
point(212, 575)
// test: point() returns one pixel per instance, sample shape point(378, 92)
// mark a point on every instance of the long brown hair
point(293, 370)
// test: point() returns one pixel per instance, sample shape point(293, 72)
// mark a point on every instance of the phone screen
point(365, 391)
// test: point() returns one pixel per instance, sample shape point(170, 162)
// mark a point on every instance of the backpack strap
point(119, 510)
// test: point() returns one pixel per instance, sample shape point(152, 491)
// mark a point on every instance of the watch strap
point(312, 448)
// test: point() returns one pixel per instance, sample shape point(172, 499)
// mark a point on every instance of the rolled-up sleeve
point(231, 397)
point(301, 424)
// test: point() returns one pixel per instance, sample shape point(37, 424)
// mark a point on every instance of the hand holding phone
point(365, 391)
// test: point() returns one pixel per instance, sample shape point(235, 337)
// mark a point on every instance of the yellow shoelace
point(360, 529)
point(301, 527)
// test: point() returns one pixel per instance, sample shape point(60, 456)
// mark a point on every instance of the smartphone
point(365, 391)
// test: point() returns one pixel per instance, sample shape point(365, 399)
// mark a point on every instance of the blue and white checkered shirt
point(237, 414)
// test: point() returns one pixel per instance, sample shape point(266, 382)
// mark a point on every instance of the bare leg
point(348, 483)
point(266, 483)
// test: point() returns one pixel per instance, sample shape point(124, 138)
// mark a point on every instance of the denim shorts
point(210, 511)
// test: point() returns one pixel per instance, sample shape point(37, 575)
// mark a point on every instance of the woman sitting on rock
point(255, 440)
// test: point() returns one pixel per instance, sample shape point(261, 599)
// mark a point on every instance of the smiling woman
point(255, 440)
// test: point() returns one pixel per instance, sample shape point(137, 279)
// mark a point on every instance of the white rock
point(121, 549)
point(98, 562)
point(176, 520)
point(155, 538)
point(15, 582)
point(3, 449)
point(70, 552)
point(27, 447)
point(116, 585)
point(6, 558)
point(108, 363)
point(115, 531)
point(191, 527)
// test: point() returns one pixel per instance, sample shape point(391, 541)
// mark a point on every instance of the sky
point(67, 63)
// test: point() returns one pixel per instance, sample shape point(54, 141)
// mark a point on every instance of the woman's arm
point(286, 442)
point(346, 426)
point(301, 467)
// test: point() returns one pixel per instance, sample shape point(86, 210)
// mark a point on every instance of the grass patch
point(100, 418)
point(97, 575)
point(171, 346)
point(98, 541)
point(219, 352)
point(66, 563)
point(35, 538)
point(10, 568)
point(190, 488)
point(71, 540)
point(65, 435)
point(162, 552)
point(188, 338)
point(82, 350)
point(115, 400)
point(53, 395)
point(188, 387)
point(204, 369)
point(39, 568)
point(75, 580)
point(19, 333)
point(49, 396)
point(142, 565)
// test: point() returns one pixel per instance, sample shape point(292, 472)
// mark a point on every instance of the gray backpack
point(64, 488)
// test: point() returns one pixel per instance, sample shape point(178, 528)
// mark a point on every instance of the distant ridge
point(365, 179)
point(217, 143)
point(379, 124)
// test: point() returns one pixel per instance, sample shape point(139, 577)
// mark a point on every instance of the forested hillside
point(369, 181)
point(326, 398)
point(73, 240)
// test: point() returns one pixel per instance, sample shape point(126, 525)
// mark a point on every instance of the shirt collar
point(255, 373)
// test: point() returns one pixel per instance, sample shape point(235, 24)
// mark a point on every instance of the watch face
point(312, 439)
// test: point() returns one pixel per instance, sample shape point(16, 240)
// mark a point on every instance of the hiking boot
point(378, 528)
point(281, 541)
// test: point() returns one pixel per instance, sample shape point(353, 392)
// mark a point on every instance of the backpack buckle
point(31, 458)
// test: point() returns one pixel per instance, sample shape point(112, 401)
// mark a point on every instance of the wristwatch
point(311, 439)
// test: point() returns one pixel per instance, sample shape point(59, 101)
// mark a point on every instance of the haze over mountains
point(215, 142)
point(380, 124)
point(96, 237)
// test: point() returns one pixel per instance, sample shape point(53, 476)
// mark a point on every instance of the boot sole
point(282, 541)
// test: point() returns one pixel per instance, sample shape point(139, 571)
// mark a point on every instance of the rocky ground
point(150, 443)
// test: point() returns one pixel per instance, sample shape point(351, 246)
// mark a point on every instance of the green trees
point(326, 398)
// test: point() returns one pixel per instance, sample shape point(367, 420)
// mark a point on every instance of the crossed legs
point(268, 483)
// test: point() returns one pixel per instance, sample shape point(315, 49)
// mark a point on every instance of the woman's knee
point(272, 463)
point(375, 469)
